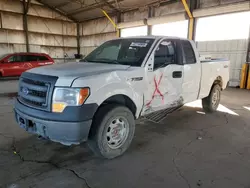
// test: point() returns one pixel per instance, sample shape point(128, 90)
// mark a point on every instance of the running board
point(160, 115)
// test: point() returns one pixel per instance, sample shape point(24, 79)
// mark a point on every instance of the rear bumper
point(66, 133)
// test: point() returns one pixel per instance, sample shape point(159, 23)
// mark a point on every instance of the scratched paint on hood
point(81, 69)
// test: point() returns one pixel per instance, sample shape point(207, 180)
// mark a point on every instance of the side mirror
point(150, 67)
point(150, 64)
point(79, 56)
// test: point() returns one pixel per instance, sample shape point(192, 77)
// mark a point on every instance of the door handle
point(177, 74)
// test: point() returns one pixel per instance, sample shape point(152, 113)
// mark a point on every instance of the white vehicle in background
point(98, 99)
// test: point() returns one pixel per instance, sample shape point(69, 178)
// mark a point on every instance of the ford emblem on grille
point(25, 90)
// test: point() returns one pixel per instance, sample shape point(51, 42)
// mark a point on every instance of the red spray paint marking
point(156, 90)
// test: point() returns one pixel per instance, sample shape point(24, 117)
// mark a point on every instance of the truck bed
point(210, 71)
point(214, 60)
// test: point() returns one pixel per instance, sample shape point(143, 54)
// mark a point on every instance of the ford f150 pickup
point(98, 99)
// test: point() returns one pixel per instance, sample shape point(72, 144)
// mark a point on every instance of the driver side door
point(165, 81)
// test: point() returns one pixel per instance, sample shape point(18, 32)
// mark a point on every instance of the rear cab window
point(188, 52)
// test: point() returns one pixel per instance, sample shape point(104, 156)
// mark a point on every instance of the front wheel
point(112, 131)
point(211, 102)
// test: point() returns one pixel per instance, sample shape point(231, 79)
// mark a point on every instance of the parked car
point(97, 100)
point(17, 63)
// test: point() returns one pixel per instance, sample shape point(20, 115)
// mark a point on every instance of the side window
point(189, 55)
point(42, 58)
point(31, 58)
point(15, 58)
point(11, 59)
point(165, 54)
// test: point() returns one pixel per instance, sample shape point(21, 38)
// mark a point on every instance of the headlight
point(63, 97)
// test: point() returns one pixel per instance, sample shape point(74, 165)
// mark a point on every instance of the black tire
point(208, 104)
point(98, 140)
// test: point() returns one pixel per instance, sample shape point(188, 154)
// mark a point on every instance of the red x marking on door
point(157, 90)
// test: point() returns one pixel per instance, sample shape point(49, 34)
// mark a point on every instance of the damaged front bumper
point(49, 125)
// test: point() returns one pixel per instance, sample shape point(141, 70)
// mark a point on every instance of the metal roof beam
point(67, 2)
point(93, 6)
point(62, 4)
point(109, 4)
point(57, 10)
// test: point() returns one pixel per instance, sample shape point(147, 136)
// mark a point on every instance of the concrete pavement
point(189, 149)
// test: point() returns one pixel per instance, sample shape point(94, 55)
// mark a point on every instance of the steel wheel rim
point(215, 98)
point(117, 132)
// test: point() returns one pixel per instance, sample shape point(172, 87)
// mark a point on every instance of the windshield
point(121, 51)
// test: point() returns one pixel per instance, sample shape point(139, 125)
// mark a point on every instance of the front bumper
point(66, 133)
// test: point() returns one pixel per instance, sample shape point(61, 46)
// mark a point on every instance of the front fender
point(100, 95)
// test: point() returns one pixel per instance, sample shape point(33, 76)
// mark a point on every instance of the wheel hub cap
point(215, 98)
point(117, 133)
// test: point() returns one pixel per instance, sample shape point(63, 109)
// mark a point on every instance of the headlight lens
point(63, 97)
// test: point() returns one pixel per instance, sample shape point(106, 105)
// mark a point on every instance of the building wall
point(228, 40)
point(233, 50)
point(169, 9)
point(135, 15)
point(95, 32)
point(49, 32)
point(211, 3)
point(52, 33)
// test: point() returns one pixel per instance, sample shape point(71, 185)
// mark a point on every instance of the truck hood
point(76, 70)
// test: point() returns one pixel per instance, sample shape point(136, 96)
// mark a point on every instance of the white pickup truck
point(98, 99)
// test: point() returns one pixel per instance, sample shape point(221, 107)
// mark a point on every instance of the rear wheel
point(112, 131)
point(211, 102)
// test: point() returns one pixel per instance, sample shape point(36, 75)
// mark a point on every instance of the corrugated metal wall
point(49, 32)
point(225, 36)
point(56, 35)
point(210, 3)
point(234, 50)
point(169, 9)
point(94, 33)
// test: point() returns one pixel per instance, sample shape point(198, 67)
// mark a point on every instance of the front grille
point(36, 90)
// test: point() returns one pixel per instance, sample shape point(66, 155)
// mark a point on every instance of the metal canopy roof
point(82, 10)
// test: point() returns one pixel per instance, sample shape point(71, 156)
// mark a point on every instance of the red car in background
point(17, 63)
